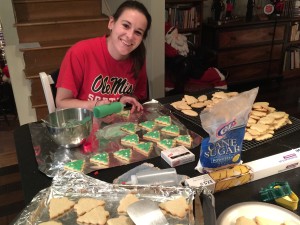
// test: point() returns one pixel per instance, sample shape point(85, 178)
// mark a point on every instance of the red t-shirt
point(89, 71)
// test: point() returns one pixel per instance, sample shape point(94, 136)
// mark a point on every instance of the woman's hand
point(132, 101)
point(102, 102)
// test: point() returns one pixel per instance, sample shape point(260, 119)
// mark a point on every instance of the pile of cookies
point(264, 121)
point(160, 132)
point(189, 103)
point(94, 211)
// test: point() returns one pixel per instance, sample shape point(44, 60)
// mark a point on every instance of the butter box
point(177, 156)
point(240, 174)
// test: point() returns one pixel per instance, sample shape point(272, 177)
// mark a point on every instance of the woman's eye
point(138, 33)
point(125, 25)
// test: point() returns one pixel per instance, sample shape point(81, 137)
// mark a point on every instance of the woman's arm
point(65, 99)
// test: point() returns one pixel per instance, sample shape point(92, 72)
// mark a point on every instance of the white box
point(177, 156)
point(274, 164)
point(201, 181)
point(258, 169)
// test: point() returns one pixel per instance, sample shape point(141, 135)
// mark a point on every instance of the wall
point(20, 85)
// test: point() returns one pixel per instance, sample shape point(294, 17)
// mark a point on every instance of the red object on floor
point(212, 78)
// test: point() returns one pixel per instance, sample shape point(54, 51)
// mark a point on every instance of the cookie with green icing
point(152, 136)
point(123, 154)
point(129, 128)
point(76, 165)
point(144, 147)
point(147, 125)
point(102, 159)
point(185, 140)
point(166, 143)
point(163, 120)
point(130, 140)
point(124, 113)
point(171, 130)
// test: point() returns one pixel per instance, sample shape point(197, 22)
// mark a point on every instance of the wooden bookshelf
point(291, 60)
point(187, 16)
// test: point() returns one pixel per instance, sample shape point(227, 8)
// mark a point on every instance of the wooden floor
point(284, 95)
point(11, 194)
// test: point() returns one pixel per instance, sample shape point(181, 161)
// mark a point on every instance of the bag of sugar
point(225, 122)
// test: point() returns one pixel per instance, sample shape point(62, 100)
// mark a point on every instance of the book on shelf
point(291, 8)
point(296, 8)
point(297, 58)
point(183, 16)
point(292, 58)
point(295, 32)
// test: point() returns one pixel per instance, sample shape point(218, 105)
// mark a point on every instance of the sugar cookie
point(59, 206)
point(85, 205)
point(97, 216)
point(125, 202)
point(177, 207)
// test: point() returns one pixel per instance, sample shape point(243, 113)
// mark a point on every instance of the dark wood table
point(33, 180)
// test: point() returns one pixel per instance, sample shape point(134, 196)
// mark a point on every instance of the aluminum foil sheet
point(75, 185)
point(105, 137)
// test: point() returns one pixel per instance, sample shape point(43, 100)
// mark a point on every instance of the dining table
point(33, 180)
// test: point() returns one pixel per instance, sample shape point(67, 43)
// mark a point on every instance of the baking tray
point(77, 185)
point(283, 131)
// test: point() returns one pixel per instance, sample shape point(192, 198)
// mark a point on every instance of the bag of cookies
point(225, 123)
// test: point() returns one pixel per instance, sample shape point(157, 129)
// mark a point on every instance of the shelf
point(291, 73)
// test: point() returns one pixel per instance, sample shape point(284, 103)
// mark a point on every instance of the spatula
point(146, 212)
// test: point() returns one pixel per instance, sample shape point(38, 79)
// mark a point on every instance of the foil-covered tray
point(105, 137)
point(75, 185)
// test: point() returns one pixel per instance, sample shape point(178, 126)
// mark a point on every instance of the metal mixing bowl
point(69, 127)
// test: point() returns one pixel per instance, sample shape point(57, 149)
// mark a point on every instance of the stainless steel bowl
point(70, 127)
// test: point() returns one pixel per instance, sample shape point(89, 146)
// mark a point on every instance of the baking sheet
point(105, 137)
point(77, 185)
point(247, 145)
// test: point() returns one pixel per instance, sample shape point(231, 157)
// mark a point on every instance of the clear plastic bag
point(225, 123)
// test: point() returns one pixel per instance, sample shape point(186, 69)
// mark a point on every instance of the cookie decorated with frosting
point(152, 136)
point(102, 159)
point(163, 120)
point(129, 128)
point(123, 154)
point(185, 140)
point(166, 143)
point(171, 130)
point(124, 113)
point(144, 147)
point(76, 165)
point(147, 125)
point(130, 140)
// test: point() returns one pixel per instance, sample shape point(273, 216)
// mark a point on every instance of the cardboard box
point(177, 156)
point(240, 174)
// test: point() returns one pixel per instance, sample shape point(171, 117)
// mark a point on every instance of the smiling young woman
point(108, 68)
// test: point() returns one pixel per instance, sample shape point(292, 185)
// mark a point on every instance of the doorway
point(8, 113)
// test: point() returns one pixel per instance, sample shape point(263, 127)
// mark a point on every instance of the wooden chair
point(46, 80)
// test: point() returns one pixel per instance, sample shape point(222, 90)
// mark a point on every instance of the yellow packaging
point(223, 179)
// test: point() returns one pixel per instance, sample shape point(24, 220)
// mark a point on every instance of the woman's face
point(126, 33)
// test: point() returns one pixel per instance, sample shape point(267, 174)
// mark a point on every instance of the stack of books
point(292, 58)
